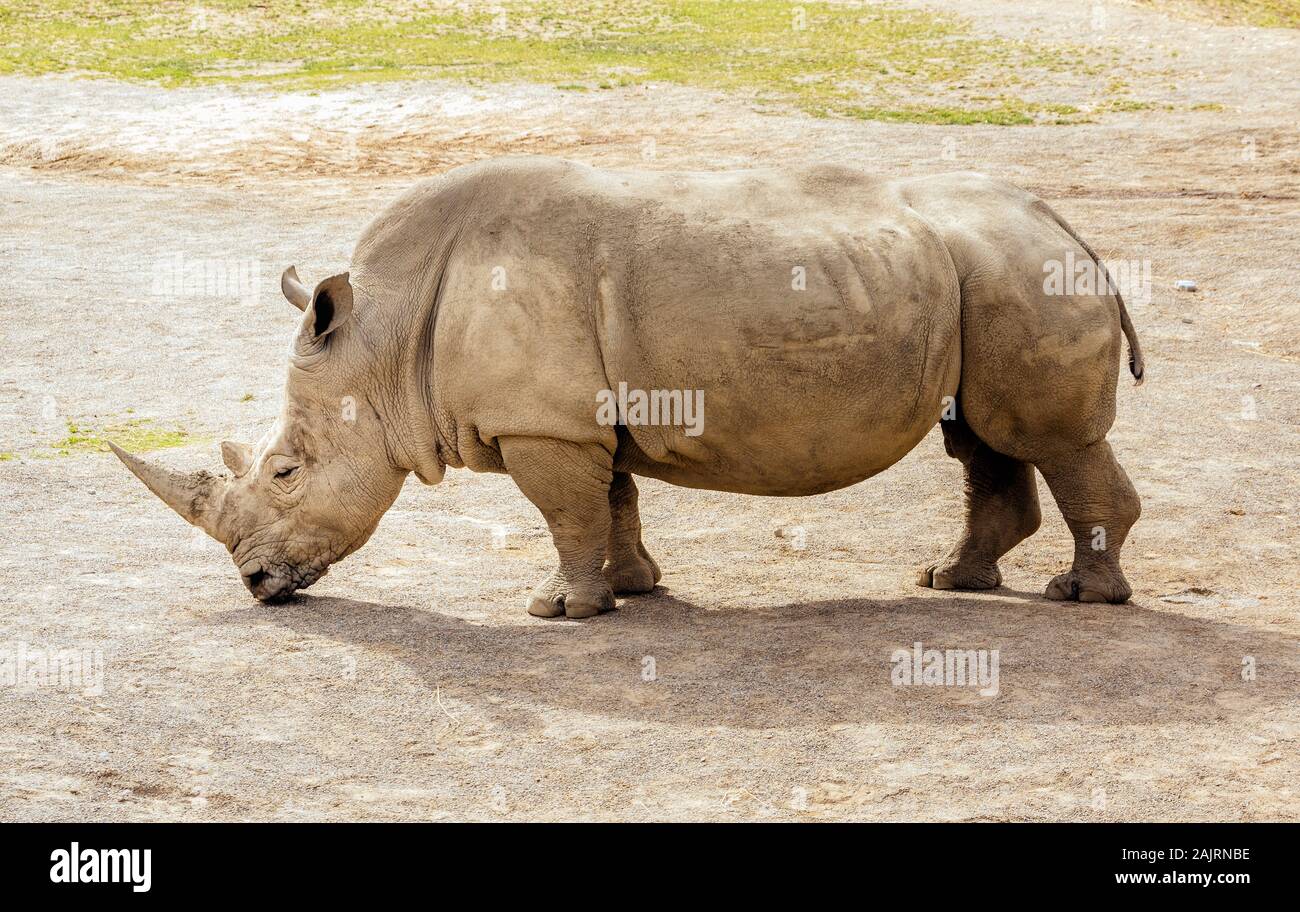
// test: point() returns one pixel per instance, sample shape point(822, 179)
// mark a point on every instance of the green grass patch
point(1003, 115)
point(1126, 104)
point(136, 436)
point(871, 61)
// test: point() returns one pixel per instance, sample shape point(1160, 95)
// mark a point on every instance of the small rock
point(1185, 285)
point(1188, 320)
point(1237, 512)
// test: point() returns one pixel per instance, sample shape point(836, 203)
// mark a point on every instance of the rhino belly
point(810, 363)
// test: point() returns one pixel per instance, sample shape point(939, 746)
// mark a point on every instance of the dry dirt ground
point(410, 684)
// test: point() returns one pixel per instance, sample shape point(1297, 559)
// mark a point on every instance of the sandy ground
point(410, 684)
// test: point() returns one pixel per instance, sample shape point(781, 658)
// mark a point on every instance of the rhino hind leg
point(570, 484)
point(1001, 511)
point(1100, 506)
point(629, 568)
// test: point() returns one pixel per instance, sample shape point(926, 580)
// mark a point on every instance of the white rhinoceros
point(830, 317)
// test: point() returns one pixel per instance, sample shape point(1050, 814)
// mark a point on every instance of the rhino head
point(314, 488)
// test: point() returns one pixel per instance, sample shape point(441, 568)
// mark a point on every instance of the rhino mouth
point(277, 584)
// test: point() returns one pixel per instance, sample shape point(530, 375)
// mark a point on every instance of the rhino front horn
point(195, 496)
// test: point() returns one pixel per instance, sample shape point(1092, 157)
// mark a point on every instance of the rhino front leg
point(570, 484)
point(628, 566)
point(1001, 511)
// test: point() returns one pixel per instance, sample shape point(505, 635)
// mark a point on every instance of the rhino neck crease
point(412, 432)
point(402, 258)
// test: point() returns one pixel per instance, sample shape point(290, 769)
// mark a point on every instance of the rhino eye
point(286, 473)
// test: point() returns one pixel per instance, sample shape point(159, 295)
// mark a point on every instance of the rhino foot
point(1089, 585)
point(955, 575)
point(573, 599)
point(632, 573)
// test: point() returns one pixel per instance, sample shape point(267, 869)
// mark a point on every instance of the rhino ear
point(294, 291)
point(330, 308)
point(238, 457)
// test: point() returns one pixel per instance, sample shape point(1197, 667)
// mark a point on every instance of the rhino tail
point(1136, 365)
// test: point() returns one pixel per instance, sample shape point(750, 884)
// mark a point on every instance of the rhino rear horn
point(195, 496)
point(238, 457)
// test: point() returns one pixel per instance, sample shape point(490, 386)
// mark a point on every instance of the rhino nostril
point(255, 579)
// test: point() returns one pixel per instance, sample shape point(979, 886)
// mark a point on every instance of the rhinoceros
point(825, 318)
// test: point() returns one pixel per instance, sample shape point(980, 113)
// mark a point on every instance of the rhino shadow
point(825, 662)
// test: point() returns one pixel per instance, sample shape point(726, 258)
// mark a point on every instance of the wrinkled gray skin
point(485, 309)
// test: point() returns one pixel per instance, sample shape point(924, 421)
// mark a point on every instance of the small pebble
point(1185, 285)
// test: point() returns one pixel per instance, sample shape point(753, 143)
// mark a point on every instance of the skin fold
point(828, 318)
